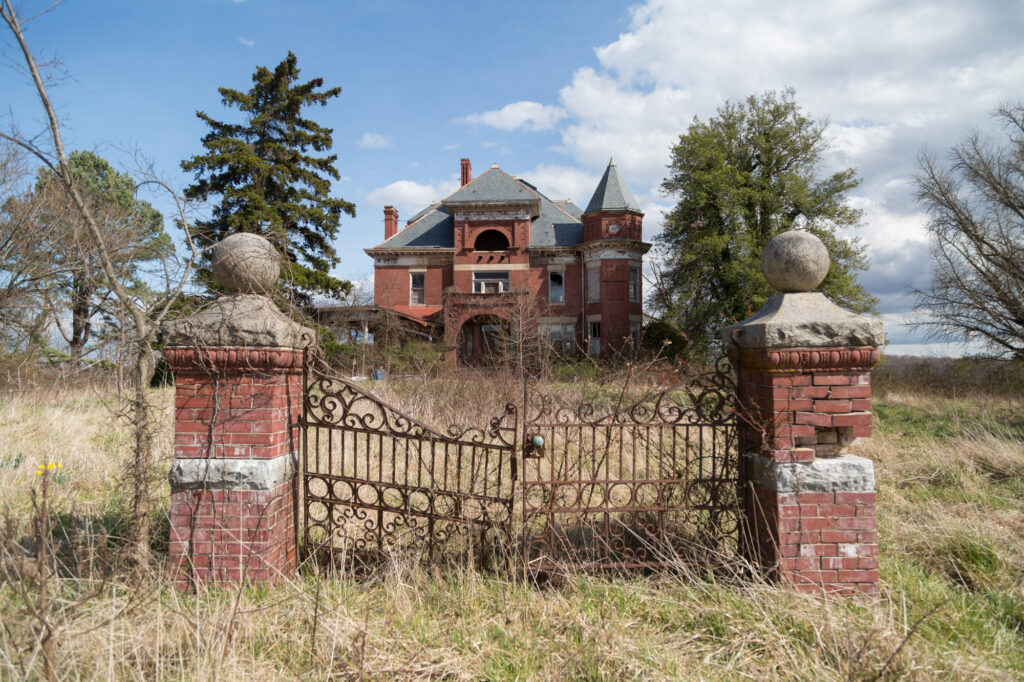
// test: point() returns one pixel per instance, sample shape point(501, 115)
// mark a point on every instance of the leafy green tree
point(134, 234)
point(740, 178)
point(267, 180)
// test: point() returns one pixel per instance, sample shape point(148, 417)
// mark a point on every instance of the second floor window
point(490, 282)
point(556, 288)
point(417, 288)
point(634, 284)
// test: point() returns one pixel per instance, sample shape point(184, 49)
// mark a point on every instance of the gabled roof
point(554, 223)
point(569, 207)
point(612, 194)
point(494, 186)
point(434, 228)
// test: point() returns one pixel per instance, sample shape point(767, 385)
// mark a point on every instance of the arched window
point(491, 240)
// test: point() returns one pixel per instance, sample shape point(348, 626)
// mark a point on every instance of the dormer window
point(491, 240)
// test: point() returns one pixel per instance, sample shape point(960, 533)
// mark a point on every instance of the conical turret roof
point(612, 194)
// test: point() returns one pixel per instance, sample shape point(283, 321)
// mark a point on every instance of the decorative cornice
point(634, 245)
point(792, 360)
point(182, 359)
point(409, 251)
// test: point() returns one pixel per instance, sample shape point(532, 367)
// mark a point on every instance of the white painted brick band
point(200, 473)
point(842, 474)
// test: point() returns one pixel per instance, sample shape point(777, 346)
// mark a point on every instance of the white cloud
point(452, 147)
point(528, 115)
point(892, 78)
point(409, 196)
point(563, 182)
point(245, 41)
point(374, 141)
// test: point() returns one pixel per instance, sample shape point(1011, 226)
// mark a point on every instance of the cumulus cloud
point(409, 196)
point(374, 141)
point(563, 182)
point(892, 79)
point(527, 115)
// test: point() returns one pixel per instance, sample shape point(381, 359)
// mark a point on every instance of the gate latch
point(533, 448)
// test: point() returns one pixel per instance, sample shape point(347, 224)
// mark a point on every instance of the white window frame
point(561, 288)
point(635, 284)
point(413, 288)
point(482, 278)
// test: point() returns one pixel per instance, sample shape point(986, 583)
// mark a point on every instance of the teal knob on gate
point(538, 441)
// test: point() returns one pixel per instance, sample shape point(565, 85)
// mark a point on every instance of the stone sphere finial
point(795, 261)
point(245, 263)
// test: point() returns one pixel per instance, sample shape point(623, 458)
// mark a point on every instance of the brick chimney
point(467, 172)
point(390, 222)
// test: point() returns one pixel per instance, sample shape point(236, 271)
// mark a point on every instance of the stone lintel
point(804, 320)
point(203, 473)
point(845, 473)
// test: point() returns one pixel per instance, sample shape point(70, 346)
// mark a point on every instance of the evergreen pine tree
point(269, 180)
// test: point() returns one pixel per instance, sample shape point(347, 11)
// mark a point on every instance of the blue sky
point(548, 90)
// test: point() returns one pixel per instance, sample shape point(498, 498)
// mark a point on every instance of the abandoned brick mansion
point(497, 247)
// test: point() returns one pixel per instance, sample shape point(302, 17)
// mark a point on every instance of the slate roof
point(433, 229)
point(558, 223)
point(612, 194)
point(493, 186)
point(569, 207)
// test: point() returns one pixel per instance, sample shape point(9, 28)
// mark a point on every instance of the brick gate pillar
point(238, 392)
point(805, 386)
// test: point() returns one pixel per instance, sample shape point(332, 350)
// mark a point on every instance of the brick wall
point(234, 404)
point(232, 535)
point(803, 406)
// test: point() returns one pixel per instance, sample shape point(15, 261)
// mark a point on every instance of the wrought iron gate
point(608, 485)
point(376, 481)
point(636, 486)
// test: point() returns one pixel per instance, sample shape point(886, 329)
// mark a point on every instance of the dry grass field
point(951, 516)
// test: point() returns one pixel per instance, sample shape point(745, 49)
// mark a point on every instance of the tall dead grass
point(952, 529)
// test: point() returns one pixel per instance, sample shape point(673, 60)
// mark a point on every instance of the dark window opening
point(491, 240)
point(556, 288)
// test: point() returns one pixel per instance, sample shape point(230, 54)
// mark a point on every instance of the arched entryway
point(484, 341)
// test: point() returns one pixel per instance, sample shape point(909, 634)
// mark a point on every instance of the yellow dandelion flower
point(50, 466)
point(39, 473)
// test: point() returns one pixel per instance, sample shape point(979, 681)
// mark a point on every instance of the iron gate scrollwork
point(632, 487)
point(377, 481)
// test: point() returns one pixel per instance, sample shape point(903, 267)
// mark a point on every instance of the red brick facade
point(234, 405)
point(804, 405)
point(503, 230)
point(232, 535)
